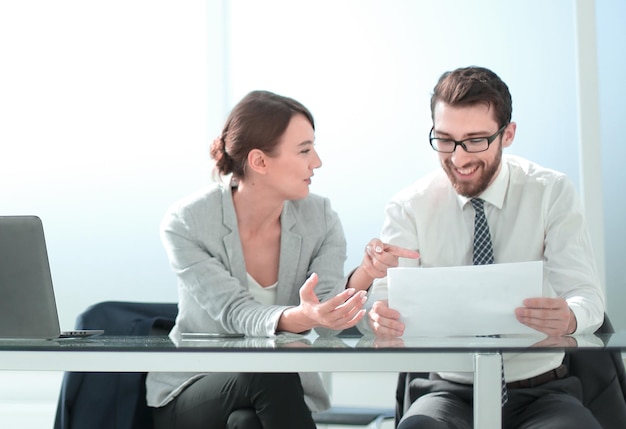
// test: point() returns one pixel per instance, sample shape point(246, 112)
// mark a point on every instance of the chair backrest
point(603, 378)
point(112, 400)
point(601, 373)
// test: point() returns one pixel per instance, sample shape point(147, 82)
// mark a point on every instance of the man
point(532, 213)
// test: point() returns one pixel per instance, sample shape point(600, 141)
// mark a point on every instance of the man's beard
point(473, 189)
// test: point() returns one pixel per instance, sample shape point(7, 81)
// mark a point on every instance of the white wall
point(105, 112)
point(611, 36)
point(105, 117)
point(366, 68)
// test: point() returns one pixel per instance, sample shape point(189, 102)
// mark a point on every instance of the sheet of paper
point(469, 300)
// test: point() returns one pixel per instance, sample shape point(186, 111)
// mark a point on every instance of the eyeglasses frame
point(461, 143)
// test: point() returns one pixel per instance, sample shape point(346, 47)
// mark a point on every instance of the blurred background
point(107, 109)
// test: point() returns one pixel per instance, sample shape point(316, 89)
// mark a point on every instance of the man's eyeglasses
point(471, 145)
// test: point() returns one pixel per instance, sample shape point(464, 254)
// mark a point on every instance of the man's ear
point(256, 161)
point(509, 135)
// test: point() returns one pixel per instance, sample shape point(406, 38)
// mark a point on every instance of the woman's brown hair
point(256, 122)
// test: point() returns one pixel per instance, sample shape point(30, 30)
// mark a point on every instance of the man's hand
point(552, 316)
point(384, 321)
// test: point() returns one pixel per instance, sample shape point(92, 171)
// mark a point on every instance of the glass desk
point(293, 353)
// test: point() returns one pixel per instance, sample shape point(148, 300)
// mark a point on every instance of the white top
point(533, 214)
point(265, 295)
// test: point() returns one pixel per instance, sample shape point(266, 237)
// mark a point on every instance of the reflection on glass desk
point(282, 353)
point(288, 353)
point(295, 353)
point(314, 344)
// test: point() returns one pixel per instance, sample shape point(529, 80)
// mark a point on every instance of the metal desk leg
point(487, 390)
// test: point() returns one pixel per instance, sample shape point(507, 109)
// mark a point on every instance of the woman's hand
point(378, 258)
point(339, 312)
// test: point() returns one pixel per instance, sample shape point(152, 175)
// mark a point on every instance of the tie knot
point(478, 204)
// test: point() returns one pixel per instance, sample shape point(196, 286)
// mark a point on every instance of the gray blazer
point(201, 238)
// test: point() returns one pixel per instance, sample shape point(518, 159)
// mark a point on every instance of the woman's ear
point(256, 161)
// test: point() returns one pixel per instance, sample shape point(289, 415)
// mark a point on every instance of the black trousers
point(238, 401)
point(442, 404)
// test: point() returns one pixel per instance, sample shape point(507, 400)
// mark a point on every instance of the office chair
point(601, 373)
point(91, 400)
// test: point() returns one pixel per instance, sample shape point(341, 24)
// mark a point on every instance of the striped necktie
point(483, 255)
point(483, 251)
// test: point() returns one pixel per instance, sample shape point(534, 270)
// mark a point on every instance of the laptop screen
point(27, 304)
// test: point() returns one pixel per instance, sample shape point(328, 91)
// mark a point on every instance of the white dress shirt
point(533, 214)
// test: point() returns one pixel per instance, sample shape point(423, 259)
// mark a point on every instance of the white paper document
point(468, 300)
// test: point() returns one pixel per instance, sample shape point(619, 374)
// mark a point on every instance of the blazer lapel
point(231, 240)
point(290, 250)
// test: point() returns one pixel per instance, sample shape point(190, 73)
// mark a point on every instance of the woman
point(258, 256)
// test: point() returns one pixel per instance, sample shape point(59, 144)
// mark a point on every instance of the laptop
point(27, 304)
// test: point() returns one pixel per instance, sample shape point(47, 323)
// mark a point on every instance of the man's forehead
point(446, 115)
